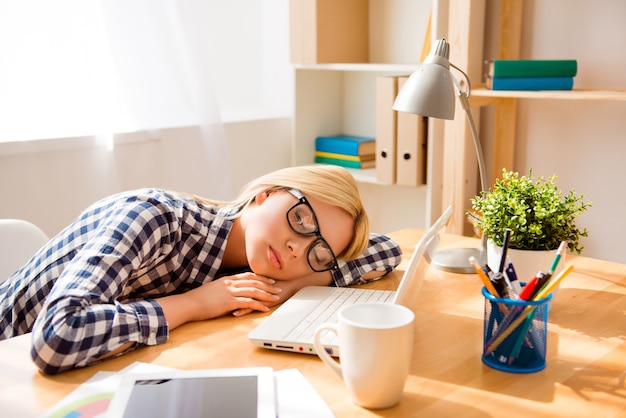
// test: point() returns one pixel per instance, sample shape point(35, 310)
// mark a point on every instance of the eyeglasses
point(303, 221)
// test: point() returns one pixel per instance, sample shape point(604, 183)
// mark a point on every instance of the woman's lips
point(274, 258)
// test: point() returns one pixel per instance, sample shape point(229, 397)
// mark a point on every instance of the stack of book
point(531, 74)
point(346, 150)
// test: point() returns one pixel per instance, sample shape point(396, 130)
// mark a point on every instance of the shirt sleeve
point(382, 254)
point(88, 313)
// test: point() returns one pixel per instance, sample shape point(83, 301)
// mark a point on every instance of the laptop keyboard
point(327, 311)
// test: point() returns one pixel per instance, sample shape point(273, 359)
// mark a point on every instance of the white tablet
point(246, 392)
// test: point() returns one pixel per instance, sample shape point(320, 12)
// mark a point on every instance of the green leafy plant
point(535, 210)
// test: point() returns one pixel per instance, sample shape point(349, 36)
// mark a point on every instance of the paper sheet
point(297, 398)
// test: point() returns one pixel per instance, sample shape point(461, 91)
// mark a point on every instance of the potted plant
point(538, 214)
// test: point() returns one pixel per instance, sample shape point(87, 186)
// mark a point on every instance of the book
point(345, 163)
point(367, 157)
point(532, 68)
point(346, 144)
point(530, 83)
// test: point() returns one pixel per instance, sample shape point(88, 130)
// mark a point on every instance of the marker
point(528, 290)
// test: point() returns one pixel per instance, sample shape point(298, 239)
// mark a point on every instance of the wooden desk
point(586, 360)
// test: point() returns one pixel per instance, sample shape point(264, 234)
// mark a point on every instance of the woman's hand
point(289, 287)
point(245, 291)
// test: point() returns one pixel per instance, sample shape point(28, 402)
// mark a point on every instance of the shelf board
point(366, 67)
point(576, 94)
point(368, 175)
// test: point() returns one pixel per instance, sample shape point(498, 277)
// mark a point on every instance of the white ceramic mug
point(375, 348)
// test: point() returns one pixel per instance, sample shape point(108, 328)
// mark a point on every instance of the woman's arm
point(228, 294)
point(381, 256)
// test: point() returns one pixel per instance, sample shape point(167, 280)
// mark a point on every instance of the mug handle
point(321, 351)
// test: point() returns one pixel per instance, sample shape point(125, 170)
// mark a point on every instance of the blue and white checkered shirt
point(91, 289)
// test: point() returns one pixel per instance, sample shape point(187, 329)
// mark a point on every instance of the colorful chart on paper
point(89, 407)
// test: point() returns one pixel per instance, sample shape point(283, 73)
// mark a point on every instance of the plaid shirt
point(92, 288)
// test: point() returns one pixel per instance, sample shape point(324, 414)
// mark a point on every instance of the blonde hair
point(328, 183)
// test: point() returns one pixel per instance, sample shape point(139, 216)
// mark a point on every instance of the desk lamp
point(429, 91)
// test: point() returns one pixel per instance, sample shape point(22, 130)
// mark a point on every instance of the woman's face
point(275, 250)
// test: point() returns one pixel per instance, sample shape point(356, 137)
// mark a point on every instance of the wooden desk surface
point(586, 355)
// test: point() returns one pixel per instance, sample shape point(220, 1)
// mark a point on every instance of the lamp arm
point(464, 99)
point(479, 151)
point(482, 259)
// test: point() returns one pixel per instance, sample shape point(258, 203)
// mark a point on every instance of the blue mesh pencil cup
point(515, 333)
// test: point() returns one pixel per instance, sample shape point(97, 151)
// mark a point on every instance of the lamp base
point(456, 260)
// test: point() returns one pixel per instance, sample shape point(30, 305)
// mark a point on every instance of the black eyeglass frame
point(320, 239)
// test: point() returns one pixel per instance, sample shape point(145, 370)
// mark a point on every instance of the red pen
point(527, 291)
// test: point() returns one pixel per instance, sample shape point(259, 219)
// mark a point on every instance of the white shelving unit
point(340, 98)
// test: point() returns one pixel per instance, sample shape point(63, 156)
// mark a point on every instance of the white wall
point(580, 142)
point(48, 182)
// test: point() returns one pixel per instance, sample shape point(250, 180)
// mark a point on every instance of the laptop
point(292, 326)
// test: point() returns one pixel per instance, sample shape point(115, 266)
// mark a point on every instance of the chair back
point(19, 241)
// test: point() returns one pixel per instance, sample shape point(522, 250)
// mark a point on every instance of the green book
point(345, 156)
point(345, 163)
point(532, 68)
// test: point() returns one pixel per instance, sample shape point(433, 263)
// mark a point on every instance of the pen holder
point(515, 333)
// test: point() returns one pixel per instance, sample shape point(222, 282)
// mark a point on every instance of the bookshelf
point(333, 98)
point(466, 32)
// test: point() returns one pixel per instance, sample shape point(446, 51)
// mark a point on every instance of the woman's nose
point(299, 245)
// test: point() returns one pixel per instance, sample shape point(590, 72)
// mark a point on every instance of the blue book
point(530, 83)
point(346, 144)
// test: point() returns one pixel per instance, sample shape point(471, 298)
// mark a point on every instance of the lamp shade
point(429, 91)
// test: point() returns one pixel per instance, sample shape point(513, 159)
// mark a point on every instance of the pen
point(505, 246)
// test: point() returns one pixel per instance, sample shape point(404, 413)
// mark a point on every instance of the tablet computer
point(246, 392)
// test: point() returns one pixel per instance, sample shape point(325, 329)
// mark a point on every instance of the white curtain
point(72, 68)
